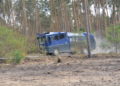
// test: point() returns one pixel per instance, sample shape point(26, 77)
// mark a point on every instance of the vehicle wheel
point(49, 54)
point(56, 52)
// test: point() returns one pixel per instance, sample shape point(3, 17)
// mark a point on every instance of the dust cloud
point(103, 46)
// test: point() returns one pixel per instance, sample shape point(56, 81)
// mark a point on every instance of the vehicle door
point(61, 42)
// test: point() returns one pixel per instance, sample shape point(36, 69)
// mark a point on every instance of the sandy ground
point(102, 70)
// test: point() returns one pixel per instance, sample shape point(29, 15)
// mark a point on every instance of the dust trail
point(103, 46)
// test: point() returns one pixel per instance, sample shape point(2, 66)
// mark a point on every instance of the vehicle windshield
point(42, 40)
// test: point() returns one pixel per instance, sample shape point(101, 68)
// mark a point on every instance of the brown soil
point(100, 70)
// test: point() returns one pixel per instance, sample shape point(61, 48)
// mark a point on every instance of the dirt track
point(73, 71)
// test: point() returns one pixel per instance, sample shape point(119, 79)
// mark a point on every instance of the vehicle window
point(49, 39)
point(42, 40)
point(62, 36)
point(56, 37)
point(52, 38)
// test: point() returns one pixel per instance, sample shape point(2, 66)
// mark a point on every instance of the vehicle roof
point(52, 33)
point(70, 34)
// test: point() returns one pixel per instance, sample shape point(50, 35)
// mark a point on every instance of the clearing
point(100, 70)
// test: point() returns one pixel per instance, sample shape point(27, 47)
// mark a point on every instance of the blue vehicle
point(64, 42)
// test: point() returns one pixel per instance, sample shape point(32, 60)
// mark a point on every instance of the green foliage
point(113, 34)
point(45, 21)
point(80, 30)
point(18, 56)
point(32, 48)
point(11, 42)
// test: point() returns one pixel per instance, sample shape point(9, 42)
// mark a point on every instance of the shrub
point(113, 34)
point(12, 44)
point(18, 56)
